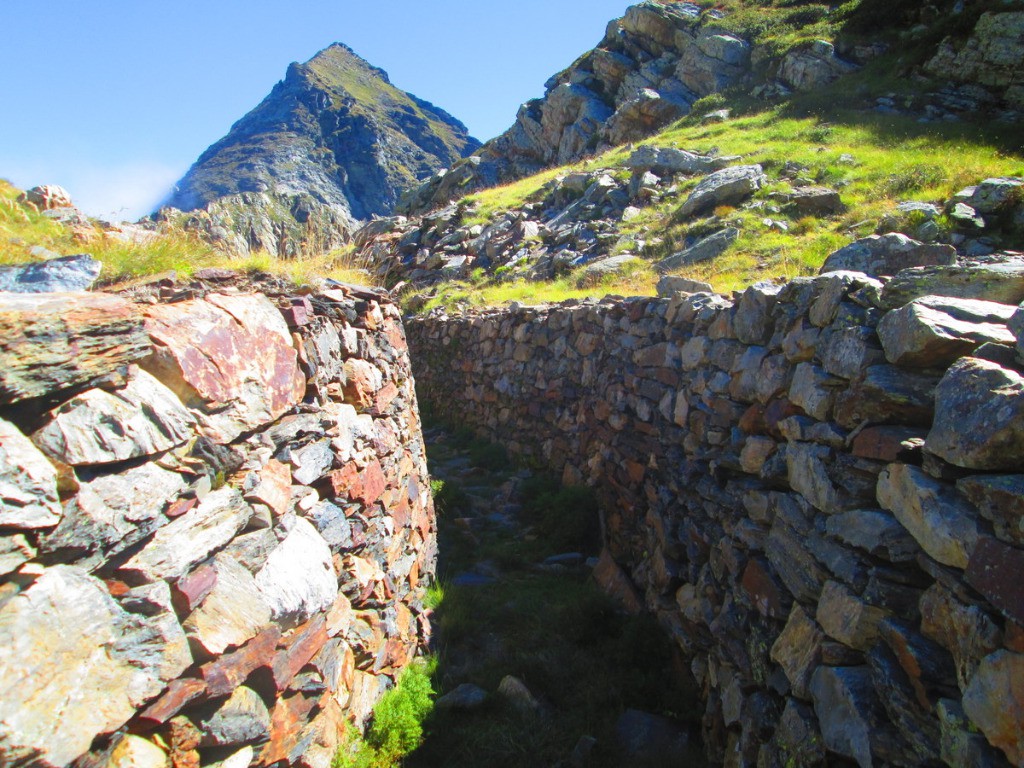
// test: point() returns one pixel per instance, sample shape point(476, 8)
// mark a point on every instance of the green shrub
point(396, 728)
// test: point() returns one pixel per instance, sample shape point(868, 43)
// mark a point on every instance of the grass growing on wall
point(396, 727)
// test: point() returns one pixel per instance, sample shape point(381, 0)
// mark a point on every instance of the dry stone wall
point(817, 487)
point(215, 523)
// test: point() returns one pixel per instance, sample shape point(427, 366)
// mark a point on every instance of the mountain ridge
point(333, 143)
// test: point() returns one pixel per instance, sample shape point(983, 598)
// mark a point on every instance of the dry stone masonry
point(215, 523)
point(818, 487)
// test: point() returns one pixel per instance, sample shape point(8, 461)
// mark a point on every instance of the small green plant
point(449, 498)
point(565, 516)
point(396, 728)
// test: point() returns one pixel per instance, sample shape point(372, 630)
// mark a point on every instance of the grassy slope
point(874, 160)
point(22, 228)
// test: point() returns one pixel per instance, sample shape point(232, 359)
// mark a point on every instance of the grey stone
point(113, 512)
point(242, 719)
point(830, 288)
point(311, 462)
point(945, 527)
point(28, 483)
point(67, 273)
point(464, 696)
point(875, 532)
point(849, 351)
point(1000, 500)
point(993, 702)
point(669, 285)
point(99, 665)
point(1002, 283)
point(886, 394)
point(708, 248)
point(15, 551)
point(232, 613)
point(514, 691)
point(813, 390)
point(979, 416)
point(99, 427)
point(191, 538)
point(848, 711)
point(991, 195)
point(668, 160)
point(960, 745)
point(298, 578)
point(934, 331)
point(753, 323)
point(725, 187)
point(877, 255)
point(643, 736)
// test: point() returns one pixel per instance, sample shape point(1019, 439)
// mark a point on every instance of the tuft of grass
point(396, 728)
point(450, 499)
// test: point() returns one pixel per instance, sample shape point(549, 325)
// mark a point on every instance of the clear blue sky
point(115, 99)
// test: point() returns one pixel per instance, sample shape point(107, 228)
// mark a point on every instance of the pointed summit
point(333, 143)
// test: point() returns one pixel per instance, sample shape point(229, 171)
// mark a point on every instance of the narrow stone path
point(536, 666)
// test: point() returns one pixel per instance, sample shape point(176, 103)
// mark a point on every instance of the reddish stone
point(116, 587)
point(1013, 636)
point(636, 471)
point(184, 739)
point(228, 672)
point(395, 335)
point(611, 578)
point(349, 482)
point(191, 589)
point(299, 313)
point(287, 722)
point(180, 507)
point(297, 650)
point(995, 570)
point(180, 693)
point(766, 593)
point(752, 422)
point(888, 443)
point(385, 397)
point(779, 410)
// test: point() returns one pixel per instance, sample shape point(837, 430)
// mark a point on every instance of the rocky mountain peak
point(334, 143)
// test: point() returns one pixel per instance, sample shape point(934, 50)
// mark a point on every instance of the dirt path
point(536, 667)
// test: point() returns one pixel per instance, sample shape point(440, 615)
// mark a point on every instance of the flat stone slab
point(934, 331)
point(887, 254)
point(1003, 283)
point(28, 483)
point(229, 358)
point(54, 341)
point(100, 427)
point(725, 187)
point(66, 274)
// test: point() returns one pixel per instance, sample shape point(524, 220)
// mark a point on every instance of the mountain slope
point(332, 144)
point(662, 56)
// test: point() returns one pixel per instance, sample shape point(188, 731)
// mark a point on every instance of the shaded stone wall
point(816, 487)
point(215, 523)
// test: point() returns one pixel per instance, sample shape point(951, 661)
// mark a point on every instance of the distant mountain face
point(334, 143)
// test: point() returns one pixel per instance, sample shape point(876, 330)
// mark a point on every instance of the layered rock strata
point(215, 524)
point(817, 488)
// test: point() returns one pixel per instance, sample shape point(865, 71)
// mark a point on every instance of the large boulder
point(28, 483)
point(934, 331)
point(669, 161)
point(811, 68)
point(979, 416)
point(878, 255)
point(47, 197)
point(1000, 282)
point(992, 56)
point(229, 358)
point(67, 273)
point(706, 249)
point(74, 665)
point(53, 342)
point(728, 186)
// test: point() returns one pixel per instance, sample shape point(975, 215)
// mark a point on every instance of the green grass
point(396, 728)
point(875, 161)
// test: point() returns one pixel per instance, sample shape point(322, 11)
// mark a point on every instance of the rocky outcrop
point(647, 71)
point(816, 491)
point(214, 536)
point(333, 144)
point(992, 55)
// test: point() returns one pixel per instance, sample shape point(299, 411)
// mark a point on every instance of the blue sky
point(115, 99)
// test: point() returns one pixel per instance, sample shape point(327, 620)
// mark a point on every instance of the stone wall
point(215, 523)
point(817, 487)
